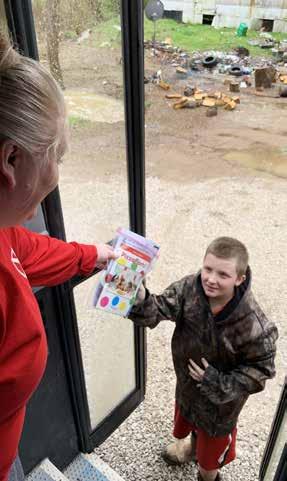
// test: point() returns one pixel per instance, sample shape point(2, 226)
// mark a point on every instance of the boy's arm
point(250, 376)
point(150, 309)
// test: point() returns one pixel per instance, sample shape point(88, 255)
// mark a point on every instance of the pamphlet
point(118, 285)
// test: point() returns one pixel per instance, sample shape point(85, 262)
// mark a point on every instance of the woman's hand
point(105, 253)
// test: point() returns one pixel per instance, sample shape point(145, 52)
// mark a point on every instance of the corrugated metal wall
point(229, 13)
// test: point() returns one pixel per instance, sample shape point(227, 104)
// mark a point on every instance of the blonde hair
point(230, 248)
point(32, 107)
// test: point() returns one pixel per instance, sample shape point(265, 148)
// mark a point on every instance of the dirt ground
point(183, 145)
point(203, 175)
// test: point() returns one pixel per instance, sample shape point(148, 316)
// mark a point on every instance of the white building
point(229, 13)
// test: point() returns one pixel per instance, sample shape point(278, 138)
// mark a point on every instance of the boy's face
point(219, 277)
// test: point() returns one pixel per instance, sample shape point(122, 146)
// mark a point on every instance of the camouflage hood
point(238, 343)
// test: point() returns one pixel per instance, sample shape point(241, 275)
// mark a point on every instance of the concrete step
point(46, 471)
point(85, 467)
point(89, 467)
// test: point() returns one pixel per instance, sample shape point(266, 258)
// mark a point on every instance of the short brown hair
point(230, 248)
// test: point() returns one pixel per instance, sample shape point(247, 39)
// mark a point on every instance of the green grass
point(78, 122)
point(107, 33)
point(147, 105)
point(70, 35)
point(204, 37)
point(186, 36)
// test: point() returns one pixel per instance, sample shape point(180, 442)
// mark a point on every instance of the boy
point(223, 349)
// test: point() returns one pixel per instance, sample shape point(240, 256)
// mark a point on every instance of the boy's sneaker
point(218, 477)
point(181, 451)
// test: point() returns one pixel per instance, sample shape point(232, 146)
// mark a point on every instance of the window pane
point(108, 351)
point(80, 42)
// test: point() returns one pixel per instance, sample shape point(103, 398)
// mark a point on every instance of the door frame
point(21, 26)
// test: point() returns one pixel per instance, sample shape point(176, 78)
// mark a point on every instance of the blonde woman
point(32, 142)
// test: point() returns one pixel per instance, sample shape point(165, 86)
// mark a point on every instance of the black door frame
point(21, 26)
point(271, 442)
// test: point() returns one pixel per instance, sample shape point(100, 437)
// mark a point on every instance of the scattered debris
point(163, 85)
point(234, 86)
point(209, 102)
point(199, 95)
point(180, 103)
point(267, 44)
point(153, 78)
point(212, 112)
point(266, 35)
point(230, 105)
point(283, 78)
point(173, 96)
point(283, 91)
point(192, 104)
point(247, 80)
point(264, 77)
point(210, 61)
point(242, 52)
point(265, 71)
point(162, 46)
point(189, 90)
point(236, 70)
point(166, 53)
point(181, 70)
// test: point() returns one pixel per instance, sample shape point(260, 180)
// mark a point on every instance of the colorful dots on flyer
point(115, 301)
point(134, 266)
point(122, 306)
point(104, 301)
point(122, 261)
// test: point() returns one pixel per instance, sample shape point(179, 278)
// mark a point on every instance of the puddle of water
point(264, 158)
point(93, 107)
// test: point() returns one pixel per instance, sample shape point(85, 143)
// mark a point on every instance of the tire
point(236, 70)
point(209, 61)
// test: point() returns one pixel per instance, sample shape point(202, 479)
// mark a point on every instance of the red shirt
point(27, 259)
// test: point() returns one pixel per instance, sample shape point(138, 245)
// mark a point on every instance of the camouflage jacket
point(238, 343)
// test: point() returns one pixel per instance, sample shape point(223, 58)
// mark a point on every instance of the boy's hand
point(195, 371)
point(105, 253)
point(140, 295)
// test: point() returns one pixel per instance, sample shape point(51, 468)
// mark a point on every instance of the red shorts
point(212, 452)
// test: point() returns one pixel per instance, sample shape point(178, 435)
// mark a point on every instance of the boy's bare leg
point(207, 475)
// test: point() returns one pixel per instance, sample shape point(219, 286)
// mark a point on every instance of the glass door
point(95, 51)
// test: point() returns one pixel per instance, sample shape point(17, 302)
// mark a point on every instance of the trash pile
point(166, 53)
point(194, 97)
point(241, 71)
point(266, 40)
point(240, 56)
